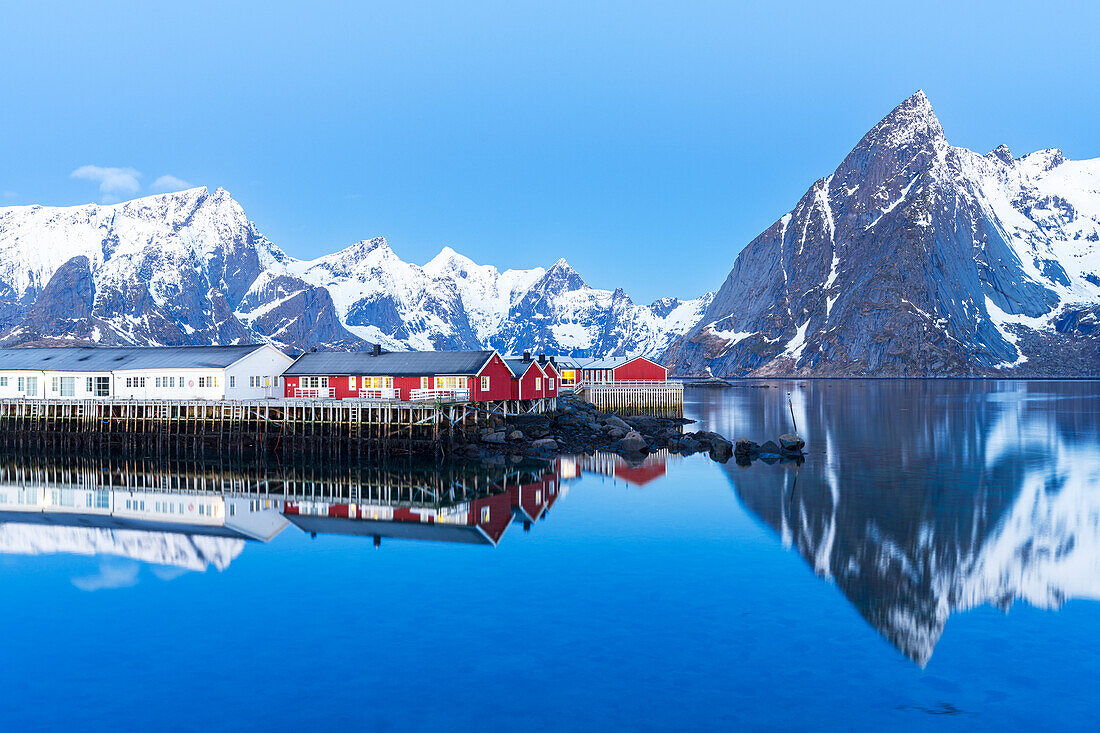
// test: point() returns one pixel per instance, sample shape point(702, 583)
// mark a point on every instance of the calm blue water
point(935, 563)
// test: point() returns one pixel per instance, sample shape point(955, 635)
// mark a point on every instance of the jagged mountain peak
point(913, 122)
point(917, 258)
point(1001, 152)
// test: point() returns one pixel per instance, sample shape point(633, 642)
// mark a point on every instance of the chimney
point(526, 356)
point(313, 350)
point(542, 358)
point(376, 350)
point(552, 361)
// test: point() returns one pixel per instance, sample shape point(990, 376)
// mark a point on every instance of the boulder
point(746, 448)
point(497, 437)
point(720, 449)
point(633, 442)
point(616, 433)
point(790, 443)
point(617, 422)
point(516, 435)
point(545, 444)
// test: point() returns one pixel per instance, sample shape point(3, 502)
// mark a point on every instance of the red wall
point(640, 369)
point(500, 381)
point(551, 373)
point(500, 384)
point(524, 388)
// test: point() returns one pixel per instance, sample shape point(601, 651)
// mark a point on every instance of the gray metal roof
point(519, 367)
point(117, 358)
point(611, 362)
point(390, 363)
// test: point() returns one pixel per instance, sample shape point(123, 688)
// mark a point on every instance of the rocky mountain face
point(190, 268)
point(916, 258)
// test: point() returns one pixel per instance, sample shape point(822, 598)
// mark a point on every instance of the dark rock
point(633, 442)
point(770, 449)
point(516, 435)
point(791, 443)
point(721, 450)
point(497, 437)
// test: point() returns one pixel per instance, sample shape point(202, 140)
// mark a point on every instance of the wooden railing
point(637, 383)
point(378, 393)
point(440, 395)
point(312, 393)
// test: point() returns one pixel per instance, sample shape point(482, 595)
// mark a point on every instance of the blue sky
point(645, 142)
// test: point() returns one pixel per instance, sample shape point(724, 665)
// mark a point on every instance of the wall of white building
point(255, 376)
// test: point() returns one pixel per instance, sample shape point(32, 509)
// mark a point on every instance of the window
point(68, 386)
point(88, 385)
point(484, 384)
point(55, 384)
point(32, 386)
point(172, 382)
point(156, 382)
point(183, 381)
point(233, 381)
point(22, 384)
point(139, 382)
point(202, 382)
point(3, 381)
point(102, 386)
point(484, 514)
point(538, 383)
point(129, 382)
point(351, 382)
point(213, 381)
point(423, 382)
point(550, 384)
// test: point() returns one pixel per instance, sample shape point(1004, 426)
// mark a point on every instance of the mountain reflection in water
point(921, 498)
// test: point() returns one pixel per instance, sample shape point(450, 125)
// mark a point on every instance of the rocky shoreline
point(578, 427)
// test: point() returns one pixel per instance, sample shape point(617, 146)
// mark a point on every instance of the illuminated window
point(351, 382)
point(423, 383)
point(484, 514)
point(485, 388)
point(538, 383)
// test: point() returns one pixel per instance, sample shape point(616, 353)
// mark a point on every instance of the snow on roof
point(390, 363)
point(119, 358)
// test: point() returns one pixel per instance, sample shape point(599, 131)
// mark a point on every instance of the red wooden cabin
point(479, 376)
point(623, 369)
point(529, 382)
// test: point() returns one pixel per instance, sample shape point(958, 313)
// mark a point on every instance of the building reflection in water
point(195, 515)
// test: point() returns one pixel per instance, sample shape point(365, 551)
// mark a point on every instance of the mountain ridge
point(190, 267)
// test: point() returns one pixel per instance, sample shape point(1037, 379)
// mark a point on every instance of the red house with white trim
point(623, 369)
point(529, 382)
point(478, 376)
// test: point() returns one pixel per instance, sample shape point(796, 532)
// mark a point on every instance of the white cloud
point(168, 183)
point(113, 182)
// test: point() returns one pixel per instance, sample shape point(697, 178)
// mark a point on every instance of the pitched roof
point(611, 362)
point(390, 363)
point(117, 358)
point(519, 367)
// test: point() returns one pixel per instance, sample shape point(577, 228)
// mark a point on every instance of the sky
point(647, 143)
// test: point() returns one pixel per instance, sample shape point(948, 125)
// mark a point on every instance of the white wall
point(265, 366)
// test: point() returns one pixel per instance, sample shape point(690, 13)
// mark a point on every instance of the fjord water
point(934, 563)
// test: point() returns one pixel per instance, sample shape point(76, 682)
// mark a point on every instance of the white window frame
point(485, 384)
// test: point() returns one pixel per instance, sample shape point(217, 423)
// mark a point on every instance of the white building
point(154, 372)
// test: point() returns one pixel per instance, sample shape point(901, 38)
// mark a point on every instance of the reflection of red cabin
point(403, 375)
point(623, 369)
point(479, 521)
point(531, 500)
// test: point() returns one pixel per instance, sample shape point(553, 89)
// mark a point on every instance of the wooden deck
point(384, 426)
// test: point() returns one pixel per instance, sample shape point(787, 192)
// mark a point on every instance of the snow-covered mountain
point(917, 258)
point(190, 268)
